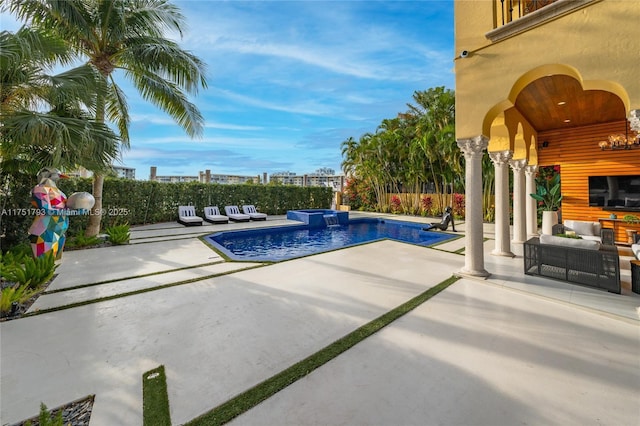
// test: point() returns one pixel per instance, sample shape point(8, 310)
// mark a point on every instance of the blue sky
point(289, 81)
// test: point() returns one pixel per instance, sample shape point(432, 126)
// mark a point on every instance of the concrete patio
point(506, 350)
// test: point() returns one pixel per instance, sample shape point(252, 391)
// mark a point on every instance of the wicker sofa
point(586, 230)
point(583, 262)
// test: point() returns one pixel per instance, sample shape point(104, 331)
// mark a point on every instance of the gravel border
point(74, 413)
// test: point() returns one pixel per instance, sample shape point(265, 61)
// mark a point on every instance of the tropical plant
point(12, 295)
point(127, 35)
point(458, 205)
point(45, 118)
point(427, 205)
point(409, 153)
point(548, 192)
point(45, 419)
point(118, 234)
point(81, 240)
point(435, 134)
point(395, 204)
point(29, 272)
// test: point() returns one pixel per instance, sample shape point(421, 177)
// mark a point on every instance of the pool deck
point(511, 349)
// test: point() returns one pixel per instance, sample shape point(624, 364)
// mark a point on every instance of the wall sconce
point(544, 144)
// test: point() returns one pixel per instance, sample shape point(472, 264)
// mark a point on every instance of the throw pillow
point(583, 228)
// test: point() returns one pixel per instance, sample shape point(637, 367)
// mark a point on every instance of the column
point(474, 251)
point(531, 204)
point(519, 216)
point(500, 161)
point(634, 120)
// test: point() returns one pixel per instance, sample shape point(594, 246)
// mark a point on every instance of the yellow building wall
point(599, 43)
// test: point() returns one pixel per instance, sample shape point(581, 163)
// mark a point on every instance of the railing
point(511, 10)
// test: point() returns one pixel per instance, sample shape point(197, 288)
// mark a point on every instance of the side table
point(635, 276)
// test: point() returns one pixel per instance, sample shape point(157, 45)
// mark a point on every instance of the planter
point(549, 218)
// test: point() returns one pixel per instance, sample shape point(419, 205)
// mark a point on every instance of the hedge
point(144, 202)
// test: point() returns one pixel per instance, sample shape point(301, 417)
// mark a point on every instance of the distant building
point(79, 172)
point(125, 172)
point(204, 177)
point(321, 177)
point(208, 177)
point(168, 179)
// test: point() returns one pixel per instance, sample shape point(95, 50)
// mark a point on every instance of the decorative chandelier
point(620, 141)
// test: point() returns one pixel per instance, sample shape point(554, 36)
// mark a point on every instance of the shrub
point(28, 271)
point(14, 294)
point(395, 204)
point(118, 234)
point(81, 240)
point(427, 205)
point(458, 206)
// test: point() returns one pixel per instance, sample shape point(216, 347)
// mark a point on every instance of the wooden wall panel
point(577, 152)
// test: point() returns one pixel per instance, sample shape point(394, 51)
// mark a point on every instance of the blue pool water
point(282, 243)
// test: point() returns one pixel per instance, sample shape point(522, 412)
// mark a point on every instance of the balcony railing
point(514, 9)
point(512, 17)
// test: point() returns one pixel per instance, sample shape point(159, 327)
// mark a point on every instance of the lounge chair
point(233, 213)
point(253, 213)
point(212, 215)
point(187, 216)
point(444, 223)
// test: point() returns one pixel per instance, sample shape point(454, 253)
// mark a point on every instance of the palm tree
point(126, 35)
point(44, 120)
point(45, 117)
point(435, 111)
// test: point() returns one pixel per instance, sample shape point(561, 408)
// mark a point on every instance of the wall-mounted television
point(615, 192)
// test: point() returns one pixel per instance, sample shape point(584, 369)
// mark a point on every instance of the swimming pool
point(283, 243)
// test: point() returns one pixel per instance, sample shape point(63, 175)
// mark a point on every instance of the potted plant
point(631, 220)
point(548, 196)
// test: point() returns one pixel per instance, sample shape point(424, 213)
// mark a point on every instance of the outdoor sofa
point(577, 261)
point(585, 230)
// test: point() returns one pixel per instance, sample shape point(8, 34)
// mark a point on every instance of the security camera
point(464, 54)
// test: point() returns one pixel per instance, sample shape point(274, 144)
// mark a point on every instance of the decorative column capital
point(530, 170)
point(518, 165)
point(500, 158)
point(634, 120)
point(473, 146)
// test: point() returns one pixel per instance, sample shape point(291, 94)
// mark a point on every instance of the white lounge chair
point(233, 212)
point(212, 215)
point(253, 213)
point(187, 216)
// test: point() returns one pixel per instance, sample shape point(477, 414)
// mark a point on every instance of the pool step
point(122, 287)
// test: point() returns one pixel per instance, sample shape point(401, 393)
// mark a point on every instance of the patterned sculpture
point(46, 233)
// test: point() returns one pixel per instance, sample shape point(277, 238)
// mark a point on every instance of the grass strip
point(255, 395)
point(155, 399)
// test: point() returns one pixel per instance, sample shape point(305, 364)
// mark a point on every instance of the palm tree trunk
point(93, 228)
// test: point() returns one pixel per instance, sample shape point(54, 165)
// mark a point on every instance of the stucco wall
point(600, 42)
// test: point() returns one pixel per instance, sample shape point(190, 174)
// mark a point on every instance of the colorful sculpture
point(46, 233)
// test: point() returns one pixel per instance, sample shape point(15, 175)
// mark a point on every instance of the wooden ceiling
point(549, 102)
